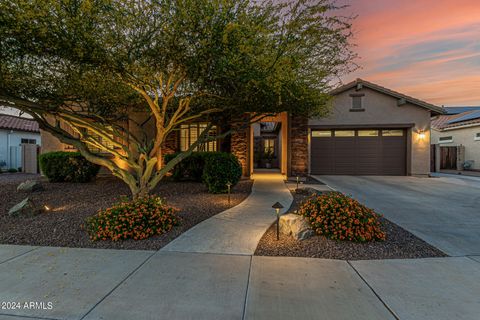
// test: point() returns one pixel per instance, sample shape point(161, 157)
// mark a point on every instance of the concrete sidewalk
point(123, 284)
point(238, 230)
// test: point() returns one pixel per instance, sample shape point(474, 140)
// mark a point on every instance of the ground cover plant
point(136, 219)
point(340, 217)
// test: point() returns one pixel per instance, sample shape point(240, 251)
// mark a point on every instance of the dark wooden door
point(448, 158)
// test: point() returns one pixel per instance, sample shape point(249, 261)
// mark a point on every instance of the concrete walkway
point(238, 230)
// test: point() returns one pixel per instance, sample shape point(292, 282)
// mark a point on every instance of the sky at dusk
point(429, 49)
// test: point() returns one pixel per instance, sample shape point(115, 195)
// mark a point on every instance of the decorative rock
point(295, 225)
point(25, 208)
point(29, 186)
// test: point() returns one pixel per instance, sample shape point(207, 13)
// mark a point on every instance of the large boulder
point(29, 186)
point(26, 207)
point(296, 226)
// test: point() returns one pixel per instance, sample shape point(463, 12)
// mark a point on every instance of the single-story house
point(15, 132)
point(459, 127)
point(371, 130)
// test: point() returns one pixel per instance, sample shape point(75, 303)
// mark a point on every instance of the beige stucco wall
point(465, 137)
point(383, 111)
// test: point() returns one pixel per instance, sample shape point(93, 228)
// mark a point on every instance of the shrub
point(221, 168)
point(340, 217)
point(136, 219)
point(63, 166)
point(12, 170)
point(190, 168)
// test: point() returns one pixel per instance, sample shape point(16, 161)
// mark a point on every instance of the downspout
point(9, 165)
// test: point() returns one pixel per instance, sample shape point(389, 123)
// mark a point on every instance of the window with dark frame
point(189, 134)
point(269, 146)
point(29, 141)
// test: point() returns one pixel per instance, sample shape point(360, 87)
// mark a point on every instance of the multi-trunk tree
point(86, 69)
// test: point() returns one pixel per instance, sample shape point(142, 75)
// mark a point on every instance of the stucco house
point(14, 132)
point(370, 130)
point(459, 127)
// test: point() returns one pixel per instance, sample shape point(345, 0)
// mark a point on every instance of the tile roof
point(451, 121)
point(17, 123)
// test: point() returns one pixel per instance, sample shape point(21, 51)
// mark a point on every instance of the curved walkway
point(239, 229)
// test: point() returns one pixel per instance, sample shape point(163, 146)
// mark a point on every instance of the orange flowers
point(340, 217)
point(136, 219)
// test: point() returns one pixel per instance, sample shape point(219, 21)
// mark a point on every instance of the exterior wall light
point(421, 134)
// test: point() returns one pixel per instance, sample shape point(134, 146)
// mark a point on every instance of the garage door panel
point(359, 155)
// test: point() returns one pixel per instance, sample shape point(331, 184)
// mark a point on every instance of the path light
point(298, 180)
point(277, 206)
point(47, 208)
point(229, 184)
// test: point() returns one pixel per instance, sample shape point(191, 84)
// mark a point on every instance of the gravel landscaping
point(71, 203)
point(400, 244)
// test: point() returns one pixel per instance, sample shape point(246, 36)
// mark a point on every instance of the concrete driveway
point(443, 211)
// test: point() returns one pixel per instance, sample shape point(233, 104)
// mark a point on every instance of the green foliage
point(221, 168)
point(136, 219)
point(12, 170)
point(340, 217)
point(63, 166)
point(190, 168)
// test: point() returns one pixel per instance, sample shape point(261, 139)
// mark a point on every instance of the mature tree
point(93, 64)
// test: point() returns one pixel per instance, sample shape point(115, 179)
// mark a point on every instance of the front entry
point(268, 144)
point(266, 149)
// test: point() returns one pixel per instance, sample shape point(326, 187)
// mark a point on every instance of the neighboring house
point(370, 130)
point(459, 127)
point(15, 131)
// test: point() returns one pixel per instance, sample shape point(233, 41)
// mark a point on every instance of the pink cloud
point(428, 48)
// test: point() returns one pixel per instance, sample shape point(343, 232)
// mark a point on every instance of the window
point(447, 139)
point(29, 141)
point(368, 133)
point(189, 134)
point(269, 146)
point(392, 133)
point(322, 134)
point(477, 136)
point(357, 102)
point(344, 133)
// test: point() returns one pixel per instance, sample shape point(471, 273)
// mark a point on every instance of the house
point(371, 130)
point(14, 133)
point(459, 127)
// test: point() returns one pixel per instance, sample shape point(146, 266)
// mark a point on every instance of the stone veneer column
point(298, 145)
point(239, 146)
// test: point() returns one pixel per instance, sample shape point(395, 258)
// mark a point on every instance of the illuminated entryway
point(268, 144)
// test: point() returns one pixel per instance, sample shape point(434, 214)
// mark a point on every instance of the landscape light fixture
point(277, 206)
point(229, 185)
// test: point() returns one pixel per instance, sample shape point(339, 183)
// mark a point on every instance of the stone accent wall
point(239, 147)
point(298, 145)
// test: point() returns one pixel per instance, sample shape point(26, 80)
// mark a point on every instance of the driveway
point(444, 211)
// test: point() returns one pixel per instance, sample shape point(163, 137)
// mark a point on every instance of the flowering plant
point(340, 217)
point(136, 219)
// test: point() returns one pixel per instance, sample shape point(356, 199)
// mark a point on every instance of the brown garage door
point(359, 152)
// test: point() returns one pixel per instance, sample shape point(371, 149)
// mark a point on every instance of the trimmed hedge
point(135, 219)
point(220, 169)
point(340, 217)
point(61, 166)
point(215, 169)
